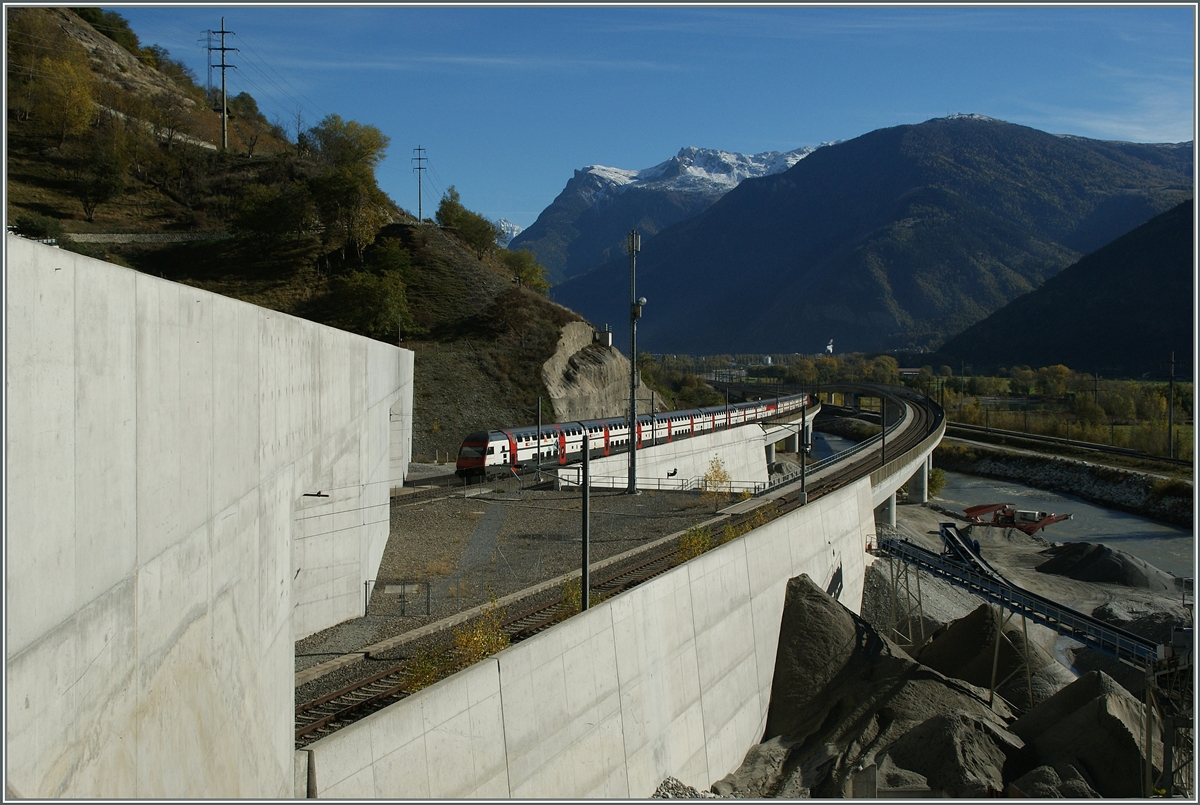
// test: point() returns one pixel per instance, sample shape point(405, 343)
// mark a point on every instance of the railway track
point(322, 716)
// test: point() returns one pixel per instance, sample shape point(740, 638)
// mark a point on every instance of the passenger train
point(494, 451)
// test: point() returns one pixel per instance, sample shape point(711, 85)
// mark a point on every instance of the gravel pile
point(1086, 561)
point(847, 704)
point(671, 788)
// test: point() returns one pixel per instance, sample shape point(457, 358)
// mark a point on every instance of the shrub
point(695, 541)
point(937, 481)
point(480, 638)
point(1171, 488)
point(38, 227)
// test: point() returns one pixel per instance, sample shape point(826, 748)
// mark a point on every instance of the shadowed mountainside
point(897, 239)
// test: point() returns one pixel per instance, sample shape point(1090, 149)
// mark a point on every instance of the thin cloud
point(515, 63)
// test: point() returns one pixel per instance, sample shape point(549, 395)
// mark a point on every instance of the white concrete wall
point(160, 557)
point(672, 677)
point(740, 449)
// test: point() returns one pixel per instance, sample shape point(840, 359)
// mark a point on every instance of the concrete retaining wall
point(161, 555)
point(670, 678)
point(740, 449)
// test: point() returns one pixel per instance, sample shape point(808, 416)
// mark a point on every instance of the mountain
point(509, 229)
point(587, 224)
point(1120, 310)
point(896, 239)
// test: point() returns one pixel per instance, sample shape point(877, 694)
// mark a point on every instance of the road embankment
point(1168, 500)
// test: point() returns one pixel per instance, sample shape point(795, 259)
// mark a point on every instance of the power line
point(281, 78)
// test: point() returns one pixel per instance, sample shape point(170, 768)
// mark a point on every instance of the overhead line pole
point(419, 151)
point(634, 246)
point(224, 97)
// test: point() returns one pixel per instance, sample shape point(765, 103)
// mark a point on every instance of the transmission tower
point(224, 98)
point(207, 42)
point(419, 159)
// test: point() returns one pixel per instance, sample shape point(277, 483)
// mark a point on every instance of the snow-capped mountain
point(509, 229)
point(703, 170)
point(587, 224)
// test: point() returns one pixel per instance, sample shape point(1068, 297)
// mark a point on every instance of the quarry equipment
point(1005, 515)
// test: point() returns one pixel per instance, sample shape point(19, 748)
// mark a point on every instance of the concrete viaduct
point(194, 483)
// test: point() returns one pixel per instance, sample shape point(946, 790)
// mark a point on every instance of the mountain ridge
point(586, 223)
point(896, 239)
point(1144, 314)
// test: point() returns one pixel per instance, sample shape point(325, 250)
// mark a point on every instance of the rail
point(1124, 646)
point(1095, 446)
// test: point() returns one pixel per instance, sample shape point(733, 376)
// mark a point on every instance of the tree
point(526, 269)
point(717, 485)
point(1053, 379)
point(348, 144)
point(272, 211)
point(373, 305)
point(477, 232)
point(100, 166)
point(63, 104)
point(352, 209)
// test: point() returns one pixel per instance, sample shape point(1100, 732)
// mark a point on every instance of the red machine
point(1005, 516)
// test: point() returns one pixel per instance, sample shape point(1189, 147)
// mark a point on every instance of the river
point(1167, 547)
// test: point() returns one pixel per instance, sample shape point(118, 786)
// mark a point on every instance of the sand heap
point(847, 705)
point(1088, 561)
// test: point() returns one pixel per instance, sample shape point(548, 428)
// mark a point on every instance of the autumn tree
point(717, 485)
point(526, 269)
point(62, 97)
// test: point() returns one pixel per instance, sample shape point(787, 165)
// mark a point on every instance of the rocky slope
point(587, 380)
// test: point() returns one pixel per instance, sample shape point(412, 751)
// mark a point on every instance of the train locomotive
point(493, 452)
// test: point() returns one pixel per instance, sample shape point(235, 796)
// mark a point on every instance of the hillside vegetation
point(107, 135)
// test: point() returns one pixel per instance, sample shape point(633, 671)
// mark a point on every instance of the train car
point(494, 452)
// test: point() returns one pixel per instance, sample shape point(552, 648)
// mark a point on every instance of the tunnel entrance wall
point(162, 554)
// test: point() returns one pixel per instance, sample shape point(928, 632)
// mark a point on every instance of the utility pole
point(224, 97)
point(1171, 411)
point(584, 579)
point(634, 246)
point(419, 158)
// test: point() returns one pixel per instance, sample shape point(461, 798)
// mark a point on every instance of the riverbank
point(1164, 499)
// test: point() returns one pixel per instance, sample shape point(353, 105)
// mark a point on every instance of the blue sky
point(508, 101)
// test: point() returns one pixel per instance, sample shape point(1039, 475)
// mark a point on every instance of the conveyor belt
point(992, 587)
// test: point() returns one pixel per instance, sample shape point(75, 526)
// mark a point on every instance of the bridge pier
point(770, 454)
point(918, 484)
point(792, 443)
point(886, 512)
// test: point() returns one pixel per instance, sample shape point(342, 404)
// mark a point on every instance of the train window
point(491, 451)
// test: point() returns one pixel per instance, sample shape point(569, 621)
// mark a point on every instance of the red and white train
point(494, 451)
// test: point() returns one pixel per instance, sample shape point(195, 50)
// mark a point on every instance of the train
point(491, 452)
